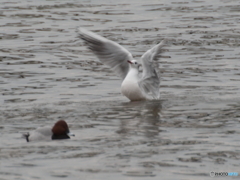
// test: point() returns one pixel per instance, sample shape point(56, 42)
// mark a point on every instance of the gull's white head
point(133, 64)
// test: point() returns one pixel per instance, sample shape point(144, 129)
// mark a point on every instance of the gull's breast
point(131, 90)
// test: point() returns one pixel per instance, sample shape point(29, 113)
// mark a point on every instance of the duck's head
point(61, 131)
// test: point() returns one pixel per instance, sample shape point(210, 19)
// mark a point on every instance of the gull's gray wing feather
point(107, 51)
point(150, 80)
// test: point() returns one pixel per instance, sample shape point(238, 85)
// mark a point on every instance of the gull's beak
point(130, 62)
point(71, 134)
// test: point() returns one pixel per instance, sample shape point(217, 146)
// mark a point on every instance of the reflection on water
point(145, 116)
point(47, 74)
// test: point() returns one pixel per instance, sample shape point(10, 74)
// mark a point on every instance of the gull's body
point(134, 86)
point(130, 87)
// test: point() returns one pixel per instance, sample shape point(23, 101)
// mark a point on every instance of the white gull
point(135, 86)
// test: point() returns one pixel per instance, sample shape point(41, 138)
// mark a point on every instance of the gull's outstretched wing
point(107, 51)
point(150, 80)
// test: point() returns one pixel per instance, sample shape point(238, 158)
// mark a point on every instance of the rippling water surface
point(47, 74)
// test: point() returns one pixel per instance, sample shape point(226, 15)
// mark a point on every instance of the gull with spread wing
point(135, 86)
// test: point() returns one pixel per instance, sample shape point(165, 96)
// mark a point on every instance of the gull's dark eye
point(135, 63)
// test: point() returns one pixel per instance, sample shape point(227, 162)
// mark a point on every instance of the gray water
point(47, 74)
